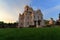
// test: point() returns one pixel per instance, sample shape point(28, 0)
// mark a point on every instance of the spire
point(59, 15)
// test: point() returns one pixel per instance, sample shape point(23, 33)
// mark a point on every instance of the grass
point(30, 33)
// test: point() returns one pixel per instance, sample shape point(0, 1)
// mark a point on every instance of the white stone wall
point(30, 16)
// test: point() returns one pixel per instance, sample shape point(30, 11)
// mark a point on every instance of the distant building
point(51, 21)
point(30, 18)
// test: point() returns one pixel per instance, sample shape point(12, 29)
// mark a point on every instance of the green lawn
point(30, 33)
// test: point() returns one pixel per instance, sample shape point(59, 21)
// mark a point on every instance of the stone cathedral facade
point(31, 18)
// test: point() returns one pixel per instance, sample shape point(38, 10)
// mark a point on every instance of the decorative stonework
point(31, 18)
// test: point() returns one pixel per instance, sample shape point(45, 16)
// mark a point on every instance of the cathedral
point(31, 18)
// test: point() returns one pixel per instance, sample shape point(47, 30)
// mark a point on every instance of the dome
point(26, 6)
point(31, 9)
point(38, 10)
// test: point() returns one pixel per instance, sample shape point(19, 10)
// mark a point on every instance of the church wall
point(30, 16)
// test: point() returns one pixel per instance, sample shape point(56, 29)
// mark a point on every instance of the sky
point(10, 9)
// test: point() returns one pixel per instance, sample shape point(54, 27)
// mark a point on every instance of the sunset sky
point(9, 9)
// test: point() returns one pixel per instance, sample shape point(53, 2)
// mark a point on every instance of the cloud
point(52, 12)
point(5, 15)
point(19, 5)
point(55, 8)
point(9, 9)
